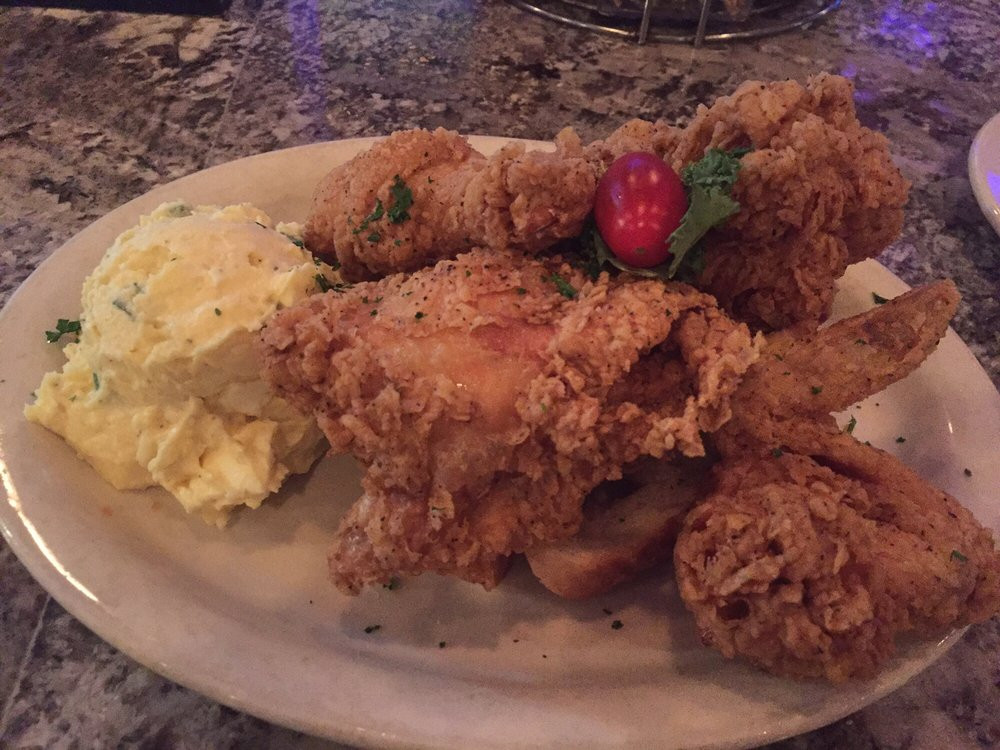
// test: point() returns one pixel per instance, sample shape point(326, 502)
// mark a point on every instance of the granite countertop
point(98, 108)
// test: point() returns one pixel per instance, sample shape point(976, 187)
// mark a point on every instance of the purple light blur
point(908, 25)
point(993, 181)
point(306, 50)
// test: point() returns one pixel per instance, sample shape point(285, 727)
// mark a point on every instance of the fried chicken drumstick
point(419, 196)
point(484, 397)
point(814, 551)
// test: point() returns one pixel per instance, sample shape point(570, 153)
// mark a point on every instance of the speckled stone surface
point(96, 108)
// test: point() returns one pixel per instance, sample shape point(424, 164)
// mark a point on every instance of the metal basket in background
point(695, 21)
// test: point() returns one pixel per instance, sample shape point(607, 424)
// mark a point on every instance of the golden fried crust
point(477, 394)
point(814, 551)
point(811, 565)
point(512, 200)
point(347, 196)
point(818, 192)
point(635, 135)
point(807, 373)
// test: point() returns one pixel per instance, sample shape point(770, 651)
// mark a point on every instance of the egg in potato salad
point(162, 386)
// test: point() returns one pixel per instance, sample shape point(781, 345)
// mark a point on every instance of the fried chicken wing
point(419, 196)
point(809, 374)
point(814, 551)
point(480, 395)
point(817, 192)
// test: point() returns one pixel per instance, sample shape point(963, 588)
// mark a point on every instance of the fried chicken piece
point(807, 373)
point(818, 192)
point(478, 394)
point(635, 135)
point(814, 552)
point(811, 564)
point(516, 199)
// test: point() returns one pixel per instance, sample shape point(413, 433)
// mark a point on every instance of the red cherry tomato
point(639, 203)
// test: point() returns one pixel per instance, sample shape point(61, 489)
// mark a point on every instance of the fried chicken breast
point(480, 396)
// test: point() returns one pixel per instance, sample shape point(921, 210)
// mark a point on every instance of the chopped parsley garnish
point(402, 199)
point(879, 299)
point(325, 285)
point(373, 313)
point(709, 182)
point(218, 311)
point(816, 390)
point(606, 611)
point(617, 625)
point(860, 342)
point(777, 452)
point(850, 426)
point(562, 286)
point(377, 213)
point(296, 241)
point(521, 290)
point(956, 555)
point(967, 472)
point(374, 237)
point(372, 628)
point(63, 327)
point(394, 583)
point(419, 315)
point(97, 381)
point(901, 439)
point(468, 273)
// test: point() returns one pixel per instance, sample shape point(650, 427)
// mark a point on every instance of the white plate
point(984, 170)
point(247, 616)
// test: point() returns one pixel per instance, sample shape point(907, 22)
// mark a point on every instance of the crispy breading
point(635, 135)
point(818, 192)
point(807, 373)
point(478, 394)
point(810, 565)
point(515, 199)
point(814, 551)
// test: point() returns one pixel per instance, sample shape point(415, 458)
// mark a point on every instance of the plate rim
point(25, 546)
point(988, 204)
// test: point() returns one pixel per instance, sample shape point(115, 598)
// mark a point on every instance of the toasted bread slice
point(629, 526)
